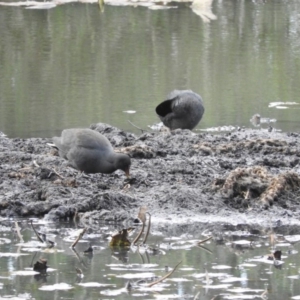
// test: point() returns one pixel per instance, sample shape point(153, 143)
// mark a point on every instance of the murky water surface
point(72, 65)
point(234, 265)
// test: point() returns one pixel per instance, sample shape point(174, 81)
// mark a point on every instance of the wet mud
point(247, 179)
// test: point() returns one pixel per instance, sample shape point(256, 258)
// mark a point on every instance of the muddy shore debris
point(248, 177)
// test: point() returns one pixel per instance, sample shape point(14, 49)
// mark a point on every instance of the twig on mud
point(19, 232)
point(56, 173)
point(36, 233)
point(247, 194)
point(205, 240)
point(210, 166)
point(25, 169)
point(148, 229)
point(79, 237)
point(36, 164)
point(165, 277)
point(142, 130)
point(126, 187)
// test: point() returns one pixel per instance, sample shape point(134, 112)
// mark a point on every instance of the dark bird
point(182, 109)
point(90, 152)
point(40, 265)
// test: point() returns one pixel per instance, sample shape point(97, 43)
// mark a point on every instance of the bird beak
point(127, 173)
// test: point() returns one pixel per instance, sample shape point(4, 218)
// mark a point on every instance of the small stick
point(165, 277)
point(148, 228)
point(139, 235)
point(61, 177)
point(141, 256)
point(206, 276)
point(205, 240)
point(35, 164)
point(79, 237)
point(75, 215)
point(79, 259)
point(37, 235)
point(205, 249)
point(142, 130)
point(196, 297)
point(19, 233)
point(141, 214)
point(25, 169)
point(264, 294)
point(101, 5)
point(210, 167)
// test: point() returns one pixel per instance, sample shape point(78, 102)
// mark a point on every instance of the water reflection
point(238, 265)
point(74, 66)
point(203, 8)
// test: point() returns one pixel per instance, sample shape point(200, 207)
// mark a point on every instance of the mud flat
point(247, 179)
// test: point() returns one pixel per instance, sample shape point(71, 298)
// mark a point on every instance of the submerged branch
point(139, 234)
point(36, 233)
point(79, 258)
point(165, 277)
point(205, 240)
point(205, 249)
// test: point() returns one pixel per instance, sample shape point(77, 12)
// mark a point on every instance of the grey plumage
point(182, 109)
point(91, 152)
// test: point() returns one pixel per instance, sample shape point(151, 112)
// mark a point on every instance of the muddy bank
point(245, 178)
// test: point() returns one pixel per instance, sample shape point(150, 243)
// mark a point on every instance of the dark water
point(230, 267)
point(73, 65)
